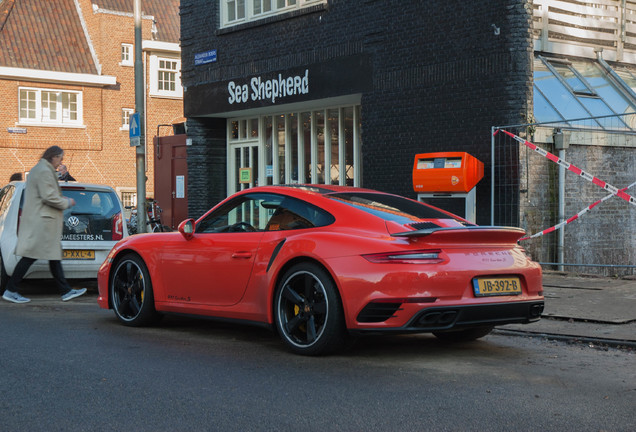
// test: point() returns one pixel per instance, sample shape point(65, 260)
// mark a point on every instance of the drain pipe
point(561, 142)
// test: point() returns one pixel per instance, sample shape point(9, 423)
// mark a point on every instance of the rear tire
point(308, 311)
point(465, 335)
point(131, 293)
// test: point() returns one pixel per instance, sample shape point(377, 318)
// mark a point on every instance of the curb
point(613, 343)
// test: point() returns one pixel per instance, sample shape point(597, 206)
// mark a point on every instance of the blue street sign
point(205, 57)
point(133, 127)
point(134, 130)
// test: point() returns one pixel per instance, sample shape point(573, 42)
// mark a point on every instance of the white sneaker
point(14, 297)
point(73, 293)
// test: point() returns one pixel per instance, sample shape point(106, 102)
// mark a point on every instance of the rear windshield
point(93, 216)
point(390, 207)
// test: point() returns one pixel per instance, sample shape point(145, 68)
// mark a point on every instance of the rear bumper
point(456, 317)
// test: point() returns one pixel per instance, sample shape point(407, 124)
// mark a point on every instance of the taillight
point(118, 227)
point(406, 257)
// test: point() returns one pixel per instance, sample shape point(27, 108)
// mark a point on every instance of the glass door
point(243, 166)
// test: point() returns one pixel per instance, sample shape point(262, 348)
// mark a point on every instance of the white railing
point(585, 27)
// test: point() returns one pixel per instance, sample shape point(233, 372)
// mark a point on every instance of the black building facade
point(347, 92)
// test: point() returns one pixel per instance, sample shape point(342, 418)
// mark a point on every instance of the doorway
point(243, 166)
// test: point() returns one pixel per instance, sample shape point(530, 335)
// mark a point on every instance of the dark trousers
point(23, 266)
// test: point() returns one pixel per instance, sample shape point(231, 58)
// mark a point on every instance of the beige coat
point(40, 234)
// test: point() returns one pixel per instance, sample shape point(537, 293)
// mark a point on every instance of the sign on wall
point(205, 57)
point(245, 175)
point(336, 77)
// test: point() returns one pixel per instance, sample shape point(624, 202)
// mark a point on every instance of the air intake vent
point(423, 225)
point(378, 312)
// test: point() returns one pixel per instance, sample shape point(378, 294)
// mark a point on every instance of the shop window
point(320, 147)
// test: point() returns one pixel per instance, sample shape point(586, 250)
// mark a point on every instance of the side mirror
point(186, 228)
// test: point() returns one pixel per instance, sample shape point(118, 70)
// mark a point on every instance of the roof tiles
point(48, 35)
point(165, 12)
point(44, 35)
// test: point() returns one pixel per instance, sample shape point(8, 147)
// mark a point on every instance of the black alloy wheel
point(131, 292)
point(308, 311)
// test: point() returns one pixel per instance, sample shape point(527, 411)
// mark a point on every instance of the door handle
point(243, 255)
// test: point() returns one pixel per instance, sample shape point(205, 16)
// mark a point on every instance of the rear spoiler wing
point(484, 233)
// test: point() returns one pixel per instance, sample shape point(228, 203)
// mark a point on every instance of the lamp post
point(139, 108)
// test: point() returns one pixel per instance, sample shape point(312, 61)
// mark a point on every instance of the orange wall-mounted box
point(446, 172)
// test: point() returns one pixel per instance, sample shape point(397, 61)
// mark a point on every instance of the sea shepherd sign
point(338, 77)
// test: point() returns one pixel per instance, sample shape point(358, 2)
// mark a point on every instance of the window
point(320, 147)
point(127, 56)
point(128, 198)
point(264, 212)
point(165, 76)
point(238, 11)
point(5, 198)
point(125, 118)
point(50, 107)
point(389, 207)
point(575, 90)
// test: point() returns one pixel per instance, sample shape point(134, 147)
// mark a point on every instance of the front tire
point(131, 292)
point(308, 311)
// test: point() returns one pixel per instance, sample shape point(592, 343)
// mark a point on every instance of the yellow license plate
point(496, 286)
point(75, 254)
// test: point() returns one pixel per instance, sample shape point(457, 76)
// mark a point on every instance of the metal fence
point(573, 224)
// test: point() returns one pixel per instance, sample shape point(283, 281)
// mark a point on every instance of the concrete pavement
point(600, 310)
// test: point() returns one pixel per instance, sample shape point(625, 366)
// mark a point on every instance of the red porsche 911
point(318, 263)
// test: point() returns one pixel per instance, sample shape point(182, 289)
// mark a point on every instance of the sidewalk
point(597, 309)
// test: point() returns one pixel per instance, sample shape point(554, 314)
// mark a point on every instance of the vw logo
point(72, 222)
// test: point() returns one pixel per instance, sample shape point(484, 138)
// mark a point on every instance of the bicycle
point(153, 218)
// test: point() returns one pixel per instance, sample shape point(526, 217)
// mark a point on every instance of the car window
point(5, 198)
point(96, 216)
point(296, 214)
point(263, 212)
point(390, 207)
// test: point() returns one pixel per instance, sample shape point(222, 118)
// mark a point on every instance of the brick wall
point(100, 152)
point(441, 76)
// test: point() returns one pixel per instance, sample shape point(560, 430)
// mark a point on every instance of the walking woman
point(40, 235)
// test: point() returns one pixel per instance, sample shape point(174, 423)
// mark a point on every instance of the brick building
point(67, 78)
point(372, 84)
point(347, 92)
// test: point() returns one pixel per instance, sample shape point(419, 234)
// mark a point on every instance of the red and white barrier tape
point(573, 218)
point(578, 171)
point(614, 191)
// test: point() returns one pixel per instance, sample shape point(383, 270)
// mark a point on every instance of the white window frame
point(155, 70)
point(127, 55)
point(270, 146)
point(252, 10)
point(125, 118)
point(50, 107)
